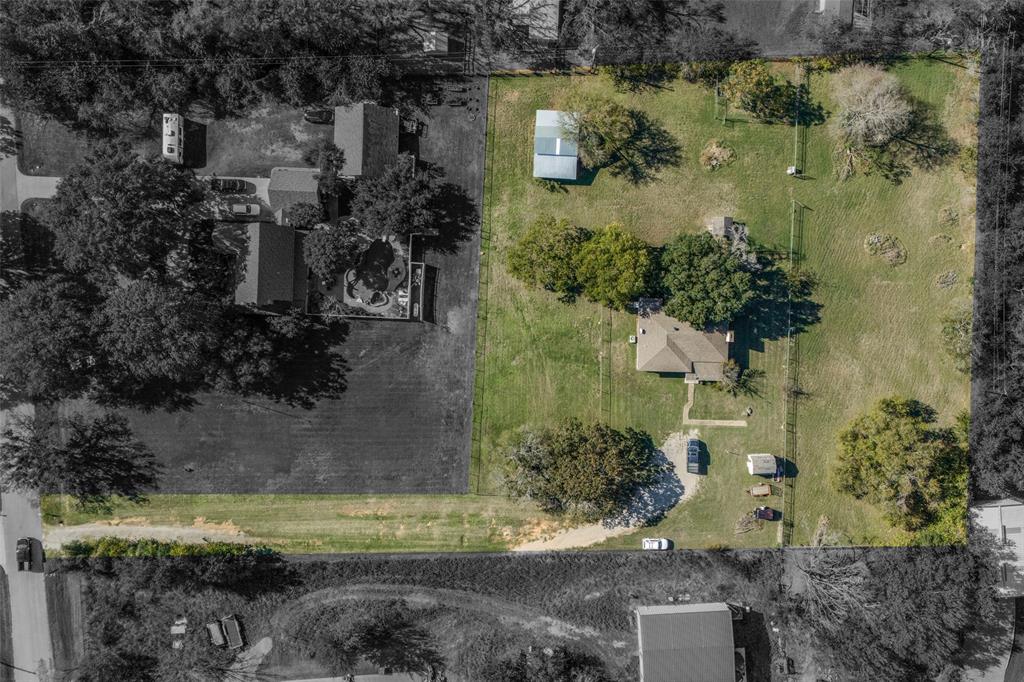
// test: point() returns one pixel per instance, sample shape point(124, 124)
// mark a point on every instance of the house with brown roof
point(368, 135)
point(669, 346)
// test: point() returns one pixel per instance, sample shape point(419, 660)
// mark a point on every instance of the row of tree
point(702, 280)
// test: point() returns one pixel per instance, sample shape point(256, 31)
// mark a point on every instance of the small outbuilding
point(761, 465)
point(1004, 520)
point(367, 134)
point(554, 156)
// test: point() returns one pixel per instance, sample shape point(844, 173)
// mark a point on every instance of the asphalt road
point(32, 655)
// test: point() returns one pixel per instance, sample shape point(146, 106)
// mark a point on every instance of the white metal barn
point(761, 465)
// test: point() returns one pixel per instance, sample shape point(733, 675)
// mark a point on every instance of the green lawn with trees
point(870, 329)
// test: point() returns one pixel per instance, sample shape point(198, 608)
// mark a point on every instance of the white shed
point(761, 465)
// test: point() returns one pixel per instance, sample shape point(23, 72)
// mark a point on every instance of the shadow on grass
point(649, 149)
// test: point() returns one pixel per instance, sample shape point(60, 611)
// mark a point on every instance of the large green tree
point(704, 281)
point(588, 471)
point(599, 126)
point(546, 253)
point(91, 460)
point(401, 201)
point(614, 267)
point(47, 344)
point(752, 86)
point(119, 214)
point(332, 250)
point(895, 457)
point(154, 331)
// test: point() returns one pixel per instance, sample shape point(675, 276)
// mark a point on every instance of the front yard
point(541, 360)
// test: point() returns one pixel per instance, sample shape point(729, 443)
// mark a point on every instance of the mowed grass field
point(303, 524)
point(540, 360)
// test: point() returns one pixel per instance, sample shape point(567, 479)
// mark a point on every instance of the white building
point(1004, 519)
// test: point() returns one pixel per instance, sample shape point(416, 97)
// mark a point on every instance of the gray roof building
point(1004, 519)
point(368, 134)
point(289, 186)
point(686, 643)
point(265, 263)
point(667, 345)
point(554, 156)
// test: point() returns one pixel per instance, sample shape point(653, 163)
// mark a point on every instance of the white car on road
point(657, 543)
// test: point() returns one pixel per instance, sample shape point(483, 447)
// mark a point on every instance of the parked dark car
point(230, 185)
point(23, 554)
point(693, 456)
point(319, 115)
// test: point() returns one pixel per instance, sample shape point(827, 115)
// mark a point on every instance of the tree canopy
point(332, 250)
point(614, 267)
point(539, 664)
point(119, 214)
point(753, 87)
point(873, 109)
point(704, 281)
point(546, 254)
point(46, 338)
point(154, 331)
point(586, 471)
point(91, 460)
point(401, 201)
point(599, 126)
point(894, 457)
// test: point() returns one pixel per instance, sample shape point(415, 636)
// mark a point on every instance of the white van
point(174, 137)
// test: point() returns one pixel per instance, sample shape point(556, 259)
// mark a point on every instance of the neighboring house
point(669, 346)
point(368, 135)
point(554, 156)
point(290, 186)
point(269, 271)
point(1004, 519)
point(435, 43)
point(540, 20)
point(688, 643)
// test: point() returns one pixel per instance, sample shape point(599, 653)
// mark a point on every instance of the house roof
point(290, 186)
point(368, 135)
point(665, 344)
point(554, 156)
point(265, 263)
point(1005, 520)
point(686, 643)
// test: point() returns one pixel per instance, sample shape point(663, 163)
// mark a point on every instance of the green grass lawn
point(300, 524)
point(541, 360)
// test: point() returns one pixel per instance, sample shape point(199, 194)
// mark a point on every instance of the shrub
point(109, 546)
point(715, 155)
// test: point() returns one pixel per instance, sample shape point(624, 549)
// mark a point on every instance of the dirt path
point(676, 487)
point(505, 611)
point(55, 536)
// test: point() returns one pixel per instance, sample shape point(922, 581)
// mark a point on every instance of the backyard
point(541, 360)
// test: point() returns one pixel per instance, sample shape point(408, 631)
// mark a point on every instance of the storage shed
point(554, 156)
point(761, 465)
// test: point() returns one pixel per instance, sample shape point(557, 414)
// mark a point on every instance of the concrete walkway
point(690, 392)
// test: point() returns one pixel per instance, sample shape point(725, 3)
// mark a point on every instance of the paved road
point(30, 632)
point(32, 656)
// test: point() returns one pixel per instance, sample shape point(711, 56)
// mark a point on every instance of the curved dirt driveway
point(674, 451)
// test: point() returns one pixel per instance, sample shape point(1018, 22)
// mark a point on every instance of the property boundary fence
point(791, 389)
point(480, 353)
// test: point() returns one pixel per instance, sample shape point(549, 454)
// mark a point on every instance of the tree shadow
point(456, 214)
point(925, 146)
point(780, 308)
point(806, 112)
point(649, 149)
point(10, 138)
point(316, 371)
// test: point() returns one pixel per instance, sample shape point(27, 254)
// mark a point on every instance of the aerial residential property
point(511, 341)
